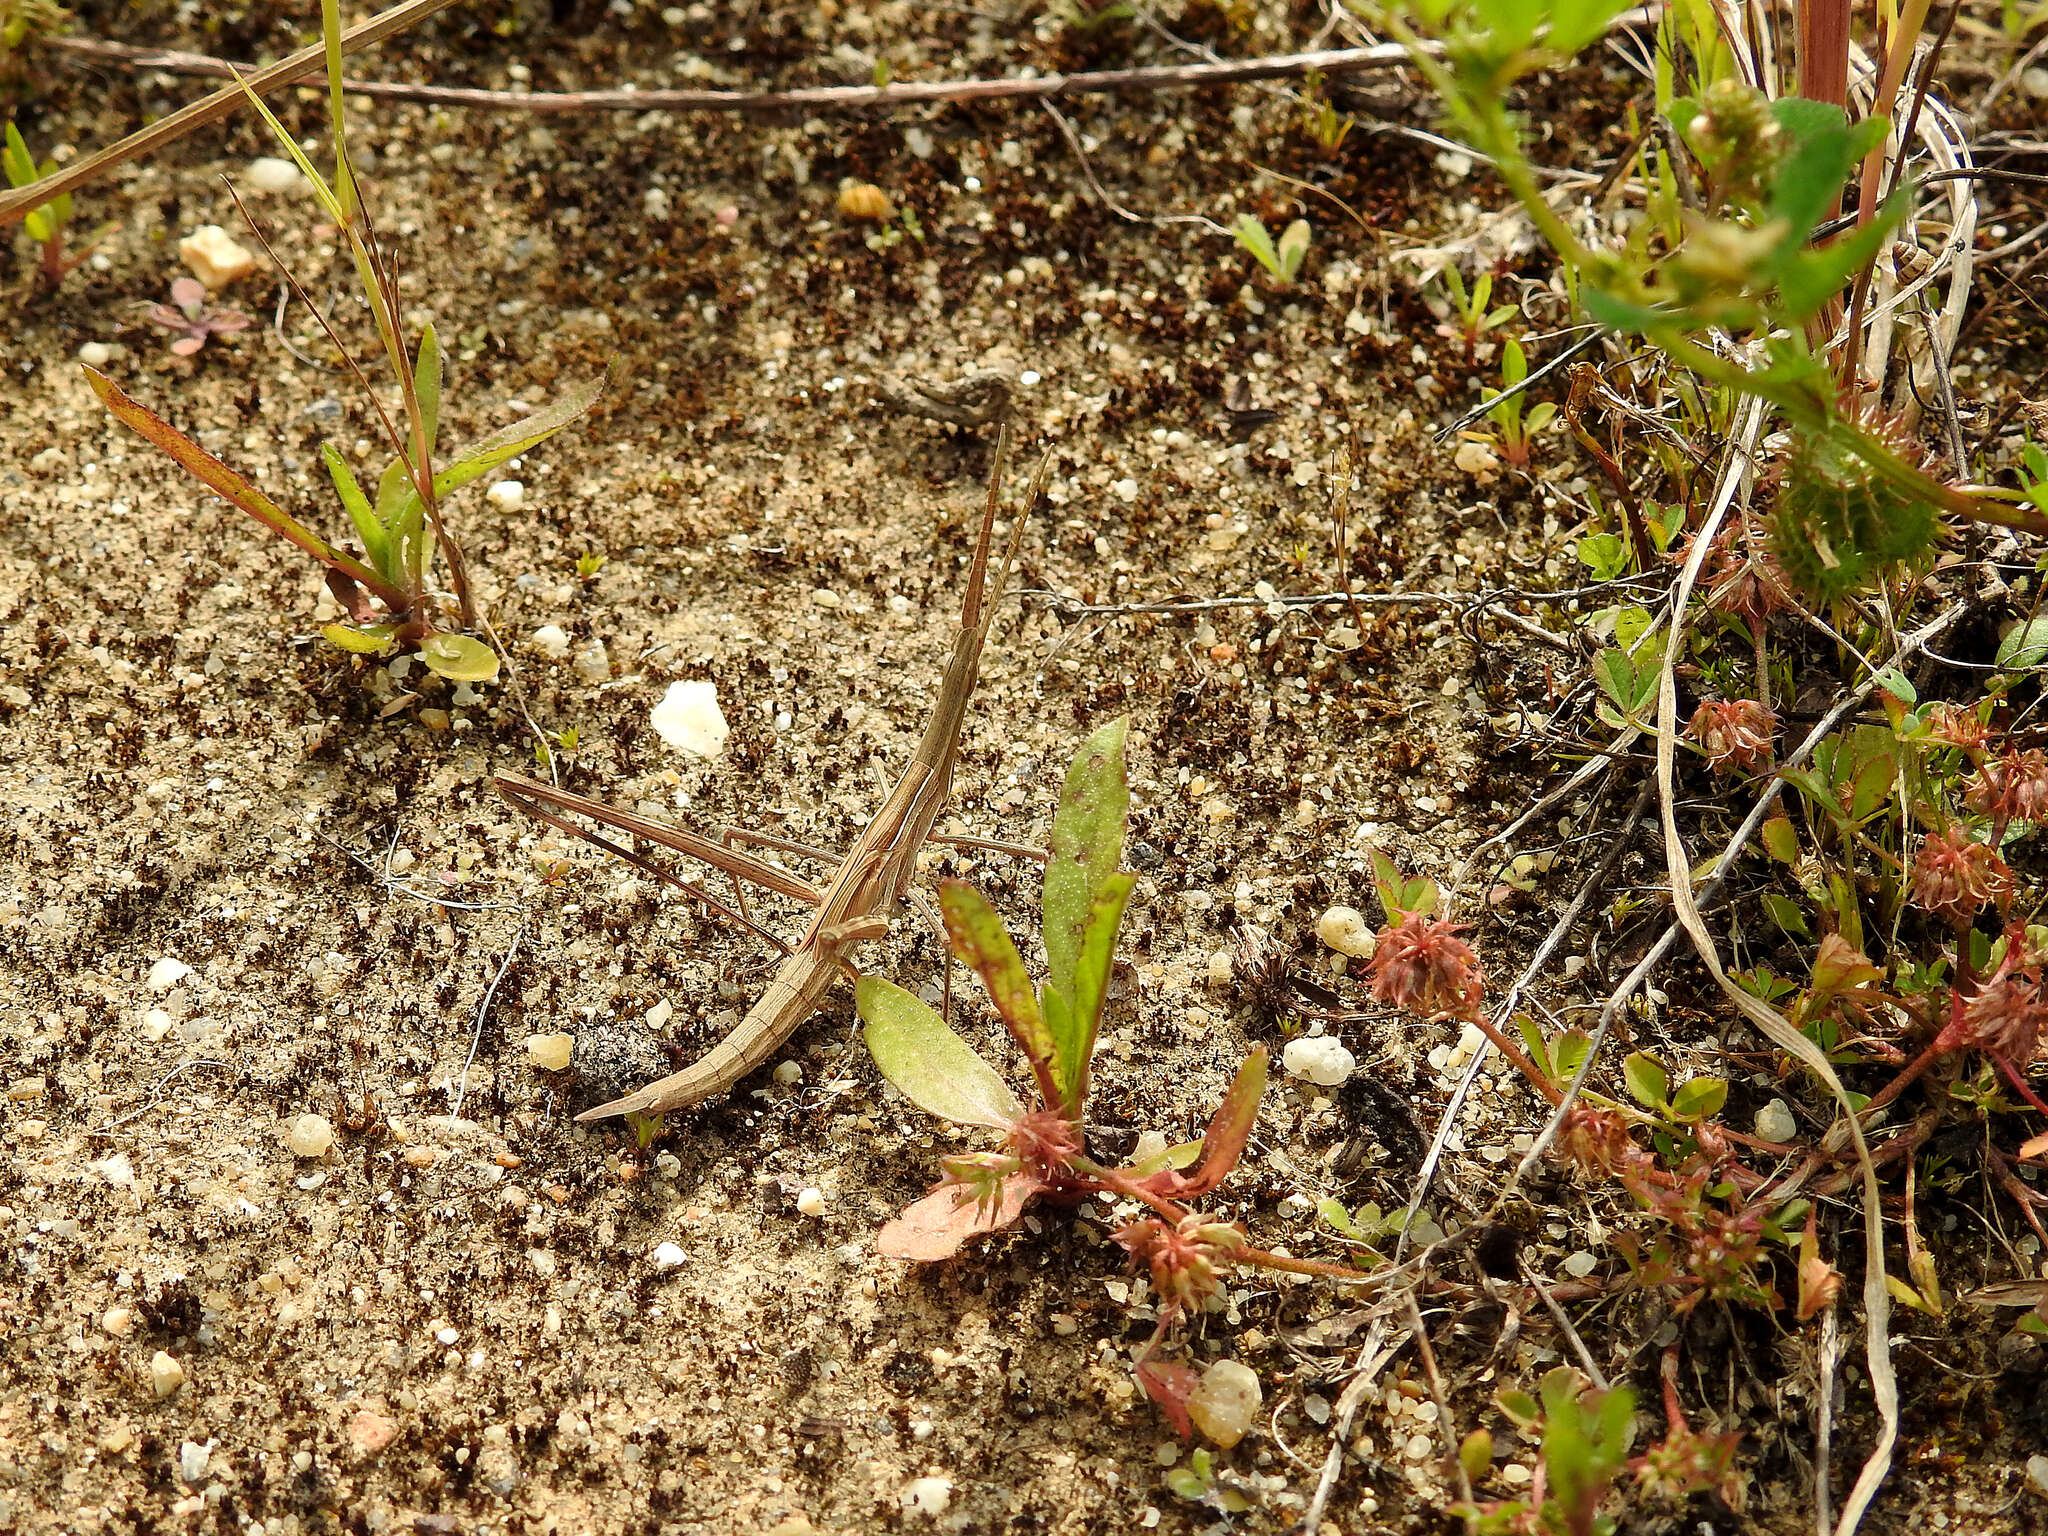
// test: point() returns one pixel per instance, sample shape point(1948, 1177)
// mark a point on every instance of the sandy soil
point(244, 878)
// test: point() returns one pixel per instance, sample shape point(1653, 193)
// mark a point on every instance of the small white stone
point(117, 1321)
point(1221, 966)
point(594, 664)
point(552, 641)
point(2035, 83)
point(1580, 1265)
point(212, 256)
point(165, 1374)
point(272, 173)
point(1322, 1061)
point(47, 459)
point(2037, 1466)
point(192, 1460)
point(659, 1015)
point(310, 1136)
point(669, 1256)
point(654, 204)
point(167, 973)
point(116, 1170)
point(788, 1073)
point(446, 1337)
point(1775, 1122)
point(1225, 1404)
point(811, 1202)
point(1345, 930)
point(550, 1053)
point(825, 597)
point(95, 354)
point(155, 1025)
point(928, 1496)
point(1126, 491)
point(688, 718)
point(1477, 460)
point(507, 495)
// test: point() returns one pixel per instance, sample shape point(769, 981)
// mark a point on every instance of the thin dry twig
point(1372, 1360)
point(1447, 1427)
point(900, 93)
point(483, 1010)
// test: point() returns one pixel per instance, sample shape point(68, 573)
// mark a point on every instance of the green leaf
point(1251, 234)
point(1087, 842)
point(1699, 1098)
point(1293, 248)
point(1091, 987)
point(1781, 842)
point(1616, 675)
point(365, 640)
point(932, 1067)
point(459, 658)
point(2024, 646)
point(984, 946)
point(1648, 1083)
point(1514, 363)
point(426, 384)
point(1786, 913)
point(376, 542)
point(1569, 1052)
point(19, 164)
point(1230, 1128)
point(1336, 1217)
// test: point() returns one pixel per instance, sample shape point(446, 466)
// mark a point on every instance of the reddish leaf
point(940, 1224)
point(982, 942)
point(1169, 1384)
point(1228, 1132)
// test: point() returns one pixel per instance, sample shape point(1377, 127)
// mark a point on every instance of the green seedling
point(384, 590)
point(1320, 120)
point(1283, 260)
point(1202, 1482)
point(1585, 1437)
point(1474, 318)
point(1055, 1025)
point(46, 224)
point(1513, 425)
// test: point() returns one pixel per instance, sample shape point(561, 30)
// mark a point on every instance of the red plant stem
point(1110, 1179)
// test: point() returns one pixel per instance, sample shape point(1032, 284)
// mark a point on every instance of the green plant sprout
point(1512, 426)
point(1283, 260)
point(23, 22)
point(1320, 120)
point(47, 223)
point(1055, 1026)
point(1475, 319)
point(401, 527)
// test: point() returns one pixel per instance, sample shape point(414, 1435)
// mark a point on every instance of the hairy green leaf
point(983, 944)
point(933, 1067)
point(1087, 842)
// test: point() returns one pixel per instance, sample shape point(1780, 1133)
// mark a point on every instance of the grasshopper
point(856, 904)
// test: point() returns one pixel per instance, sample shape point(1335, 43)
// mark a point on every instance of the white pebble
point(550, 1053)
point(811, 1202)
point(212, 256)
point(1580, 1265)
point(594, 664)
point(928, 1496)
point(1323, 1061)
point(167, 973)
point(310, 1136)
point(95, 354)
point(155, 1025)
point(118, 1321)
point(272, 173)
point(1774, 1122)
point(688, 718)
point(165, 1374)
point(192, 1460)
point(552, 641)
point(1225, 1404)
point(1221, 965)
point(654, 204)
point(669, 1256)
point(788, 1073)
point(507, 495)
point(659, 1015)
point(446, 1337)
point(1126, 491)
point(1345, 930)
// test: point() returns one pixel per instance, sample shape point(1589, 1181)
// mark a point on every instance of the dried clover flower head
point(1956, 725)
point(1182, 1257)
point(1954, 878)
point(1735, 734)
point(2011, 788)
point(1421, 964)
point(2006, 1015)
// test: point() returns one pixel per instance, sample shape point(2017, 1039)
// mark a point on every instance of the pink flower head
point(1955, 878)
point(1182, 1257)
point(1735, 734)
point(2011, 788)
point(1044, 1142)
point(1421, 964)
point(2006, 1014)
point(1956, 725)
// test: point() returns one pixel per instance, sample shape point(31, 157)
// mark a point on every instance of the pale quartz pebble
point(1345, 930)
point(156, 1024)
point(1221, 965)
point(1316, 1407)
point(688, 718)
point(166, 973)
point(594, 664)
point(310, 1136)
point(2035, 83)
point(117, 1321)
point(1151, 1148)
point(1580, 1265)
point(272, 173)
point(507, 495)
point(2037, 1466)
point(446, 1337)
point(928, 1496)
point(668, 1256)
point(550, 1053)
point(825, 597)
point(659, 1015)
point(811, 1202)
point(165, 1374)
point(211, 255)
point(116, 1170)
point(117, 1439)
point(1320, 1060)
point(95, 354)
point(1477, 460)
point(48, 459)
point(552, 641)
point(545, 1264)
point(788, 1073)
point(192, 1460)
point(1225, 1404)
point(1774, 1122)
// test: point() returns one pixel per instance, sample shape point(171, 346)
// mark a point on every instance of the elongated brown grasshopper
point(856, 904)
